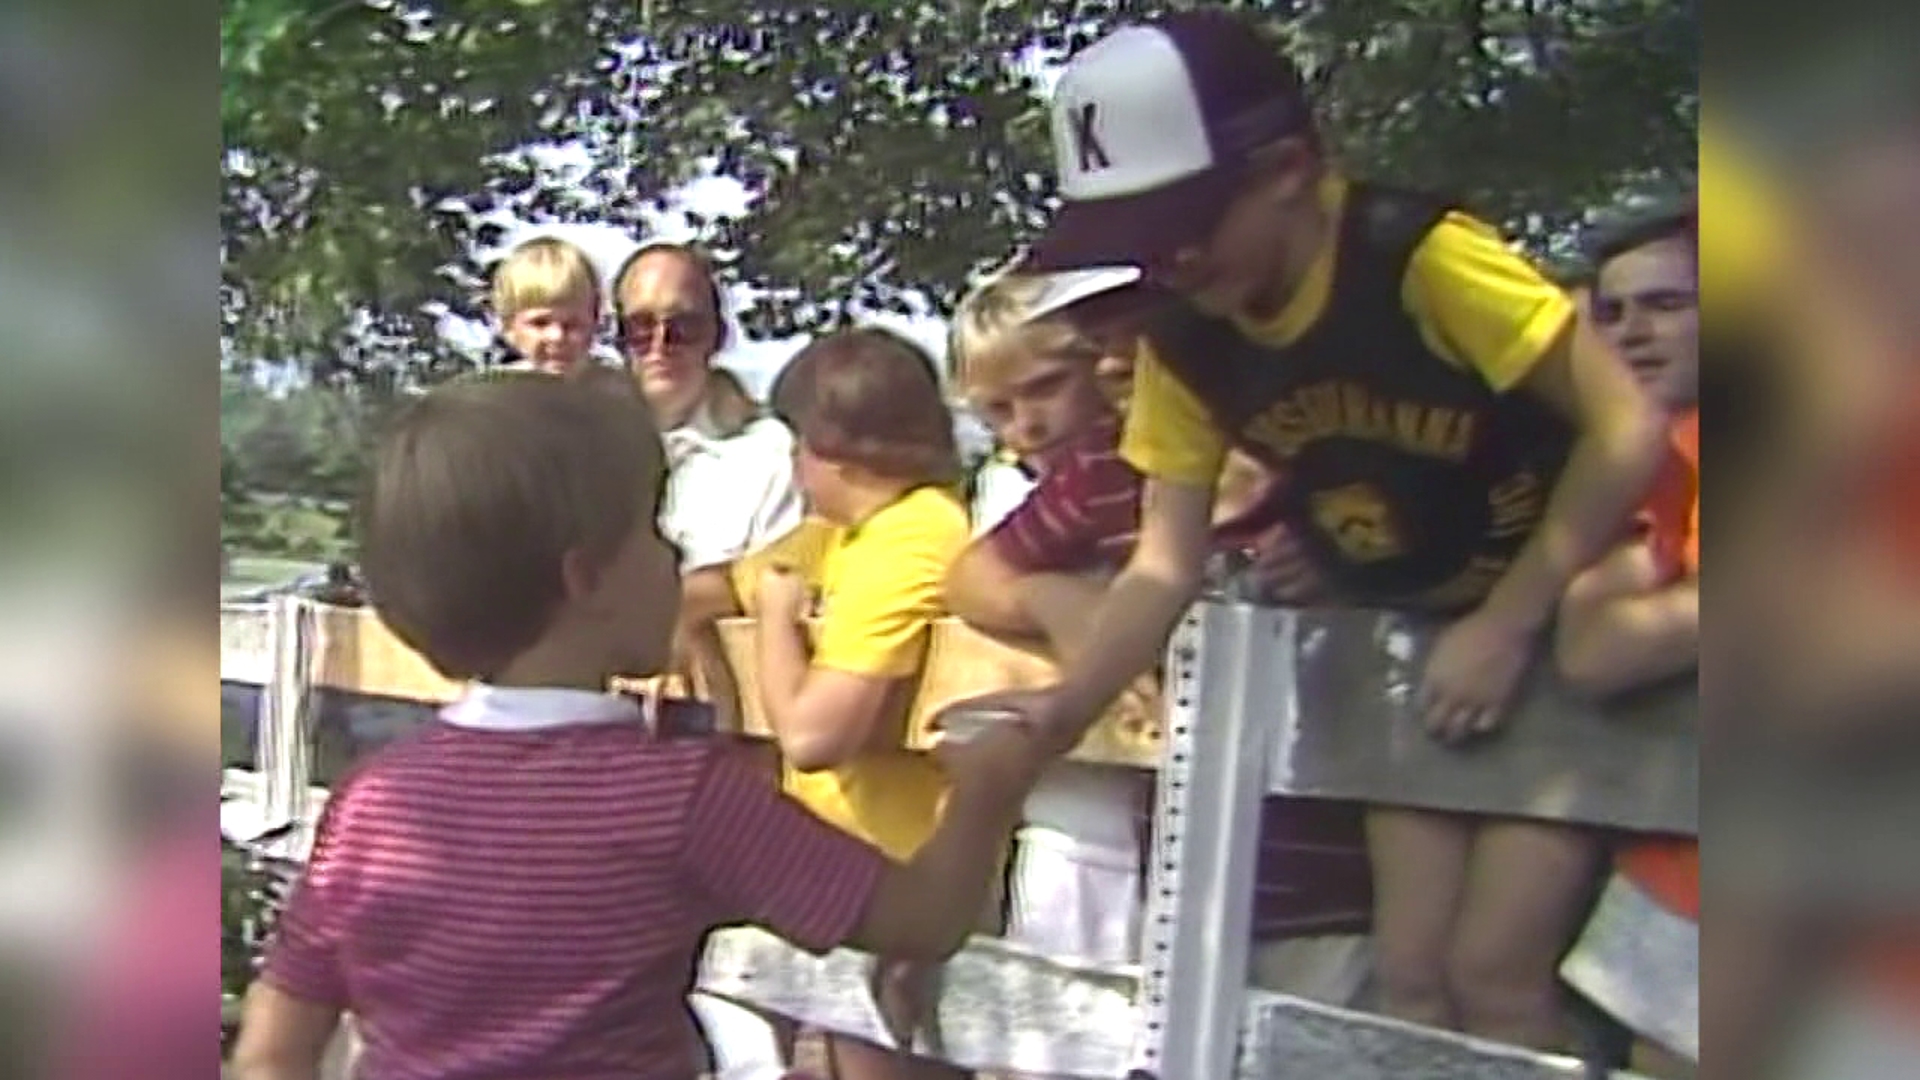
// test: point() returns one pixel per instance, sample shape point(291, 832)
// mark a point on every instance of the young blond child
point(522, 889)
point(547, 301)
point(1056, 394)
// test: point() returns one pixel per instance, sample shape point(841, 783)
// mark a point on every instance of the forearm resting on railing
point(1618, 452)
point(1621, 628)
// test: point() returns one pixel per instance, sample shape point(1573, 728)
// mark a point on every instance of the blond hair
point(544, 272)
point(993, 326)
point(478, 492)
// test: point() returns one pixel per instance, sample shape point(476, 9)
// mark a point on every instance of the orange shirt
point(1668, 867)
point(1890, 960)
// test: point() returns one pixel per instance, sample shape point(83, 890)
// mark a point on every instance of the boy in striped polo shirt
point(522, 890)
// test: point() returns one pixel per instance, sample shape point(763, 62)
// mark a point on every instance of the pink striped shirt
point(521, 891)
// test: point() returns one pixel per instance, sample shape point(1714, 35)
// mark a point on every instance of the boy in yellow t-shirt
point(1455, 443)
point(875, 457)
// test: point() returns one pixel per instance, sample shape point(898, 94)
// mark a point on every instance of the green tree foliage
point(889, 148)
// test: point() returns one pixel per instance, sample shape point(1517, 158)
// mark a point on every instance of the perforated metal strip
point(1206, 838)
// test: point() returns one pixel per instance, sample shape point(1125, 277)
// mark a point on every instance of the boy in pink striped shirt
point(522, 890)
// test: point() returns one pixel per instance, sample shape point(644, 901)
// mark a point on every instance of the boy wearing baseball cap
point(1456, 443)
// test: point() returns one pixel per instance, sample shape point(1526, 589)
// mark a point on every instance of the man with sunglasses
point(730, 493)
point(731, 489)
point(1453, 440)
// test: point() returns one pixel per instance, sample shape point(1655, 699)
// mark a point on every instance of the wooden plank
point(357, 652)
point(1000, 1008)
point(1288, 1038)
point(963, 663)
point(246, 644)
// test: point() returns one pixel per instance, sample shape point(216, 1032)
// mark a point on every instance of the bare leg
point(1527, 893)
point(1419, 877)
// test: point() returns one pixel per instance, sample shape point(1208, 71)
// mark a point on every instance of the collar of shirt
point(699, 434)
point(485, 707)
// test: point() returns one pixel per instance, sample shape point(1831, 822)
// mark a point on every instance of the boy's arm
point(292, 1009)
point(1061, 605)
point(1054, 530)
point(760, 857)
point(1616, 455)
point(820, 717)
point(1619, 628)
point(1129, 629)
point(830, 707)
point(1501, 318)
point(282, 1037)
point(982, 589)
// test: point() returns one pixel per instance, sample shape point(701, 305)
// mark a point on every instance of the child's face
point(1646, 303)
point(1235, 266)
point(1033, 403)
point(555, 339)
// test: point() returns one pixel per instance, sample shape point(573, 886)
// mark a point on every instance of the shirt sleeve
point(759, 857)
point(1060, 526)
point(886, 588)
point(1170, 434)
point(1000, 489)
point(1481, 304)
point(303, 959)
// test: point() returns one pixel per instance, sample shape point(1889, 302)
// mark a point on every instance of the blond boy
point(547, 297)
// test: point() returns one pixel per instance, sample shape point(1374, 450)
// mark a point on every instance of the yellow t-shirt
point(880, 585)
point(1476, 301)
point(1742, 229)
point(803, 551)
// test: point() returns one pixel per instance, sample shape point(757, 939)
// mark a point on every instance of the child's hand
point(1005, 758)
point(1281, 571)
point(782, 595)
point(1471, 674)
point(905, 993)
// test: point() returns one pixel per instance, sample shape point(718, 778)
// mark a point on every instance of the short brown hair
point(870, 398)
point(478, 491)
point(544, 272)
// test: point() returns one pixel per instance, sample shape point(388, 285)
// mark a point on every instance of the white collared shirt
point(728, 496)
point(485, 707)
point(998, 490)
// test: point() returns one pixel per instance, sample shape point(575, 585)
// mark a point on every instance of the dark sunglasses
point(645, 329)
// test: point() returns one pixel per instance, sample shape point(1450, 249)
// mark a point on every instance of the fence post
point(285, 700)
point(1229, 667)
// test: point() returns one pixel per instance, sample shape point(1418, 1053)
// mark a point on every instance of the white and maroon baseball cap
point(1152, 125)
